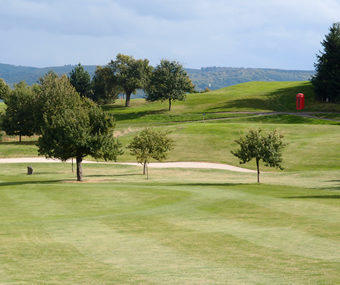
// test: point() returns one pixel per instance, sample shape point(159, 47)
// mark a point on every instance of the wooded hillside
point(211, 77)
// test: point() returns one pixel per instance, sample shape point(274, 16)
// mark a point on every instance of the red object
point(300, 101)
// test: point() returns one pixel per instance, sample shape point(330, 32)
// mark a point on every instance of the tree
point(169, 81)
point(19, 116)
point(77, 129)
point(130, 74)
point(326, 81)
point(267, 148)
point(81, 80)
point(4, 89)
point(150, 144)
point(104, 90)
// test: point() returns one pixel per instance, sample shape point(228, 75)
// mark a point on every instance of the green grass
point(251, 96)
point(204, 226)
point(182, 226)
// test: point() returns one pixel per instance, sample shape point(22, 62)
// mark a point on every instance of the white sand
point(206, 165)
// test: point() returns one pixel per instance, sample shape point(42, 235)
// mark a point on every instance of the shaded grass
point(288, 119)
point(207, 226)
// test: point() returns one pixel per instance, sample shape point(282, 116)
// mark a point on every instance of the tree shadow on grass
point(111, 175)
point(282, 99)
point(254, 103)
point(21, 183)
point(137, 115)
point(315, 197)
point(210, 184)
point(19, 143)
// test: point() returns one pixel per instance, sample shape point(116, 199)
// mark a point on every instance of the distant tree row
point(167, 81)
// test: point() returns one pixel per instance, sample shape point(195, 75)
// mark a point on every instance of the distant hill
point(14, 74)
point(219, 77)
point(212, 77)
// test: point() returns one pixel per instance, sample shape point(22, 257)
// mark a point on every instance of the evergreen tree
point(81, 80)
point(327, 78)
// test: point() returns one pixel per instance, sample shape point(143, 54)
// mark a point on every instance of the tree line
point(167, 81)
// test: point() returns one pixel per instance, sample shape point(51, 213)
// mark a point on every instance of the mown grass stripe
point(146, 257)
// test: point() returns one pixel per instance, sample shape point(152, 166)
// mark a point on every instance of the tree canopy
point(326, 81)
point(104, 90)
point(150, 144)
point(81, 80)
point(19, 113)
point(169, 81)
point(73, 126)
point(4, 89)
point(266, 147)
point(130, 74)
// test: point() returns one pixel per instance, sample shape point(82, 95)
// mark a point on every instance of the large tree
point(81, 80)
point(266, 147)
point(326, 81)
point(73, 126)
point(150, 144)
point(169, 81)
point(19, 116)
point(130, 74)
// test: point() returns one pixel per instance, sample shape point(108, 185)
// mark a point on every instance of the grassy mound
point(223, 103)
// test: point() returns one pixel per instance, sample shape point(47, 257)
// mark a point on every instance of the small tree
point(169, 81)
point(19, 116)
point(4, 89)
point(81, 80)
point(326, 81)
point(267, 148)
point(150, 144)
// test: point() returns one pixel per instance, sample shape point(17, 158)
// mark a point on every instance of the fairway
point(182, 225)
point(205, 227)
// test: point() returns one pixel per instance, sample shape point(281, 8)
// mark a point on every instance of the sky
point(283, 34)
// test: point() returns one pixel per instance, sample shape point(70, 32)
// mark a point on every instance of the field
point(182, 226)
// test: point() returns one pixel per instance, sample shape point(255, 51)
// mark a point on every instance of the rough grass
point(204, 227)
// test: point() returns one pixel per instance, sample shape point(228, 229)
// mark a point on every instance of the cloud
point(276, 33)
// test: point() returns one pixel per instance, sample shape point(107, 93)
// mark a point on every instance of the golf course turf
point(180, 226)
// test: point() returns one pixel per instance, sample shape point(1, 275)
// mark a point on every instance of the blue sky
point(284, 34)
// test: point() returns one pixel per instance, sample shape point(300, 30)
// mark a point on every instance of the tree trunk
point(19, 137)
point(169, 104)
point(79, 168)
point(144, 167)
point(127, 100)
point(258, 170)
